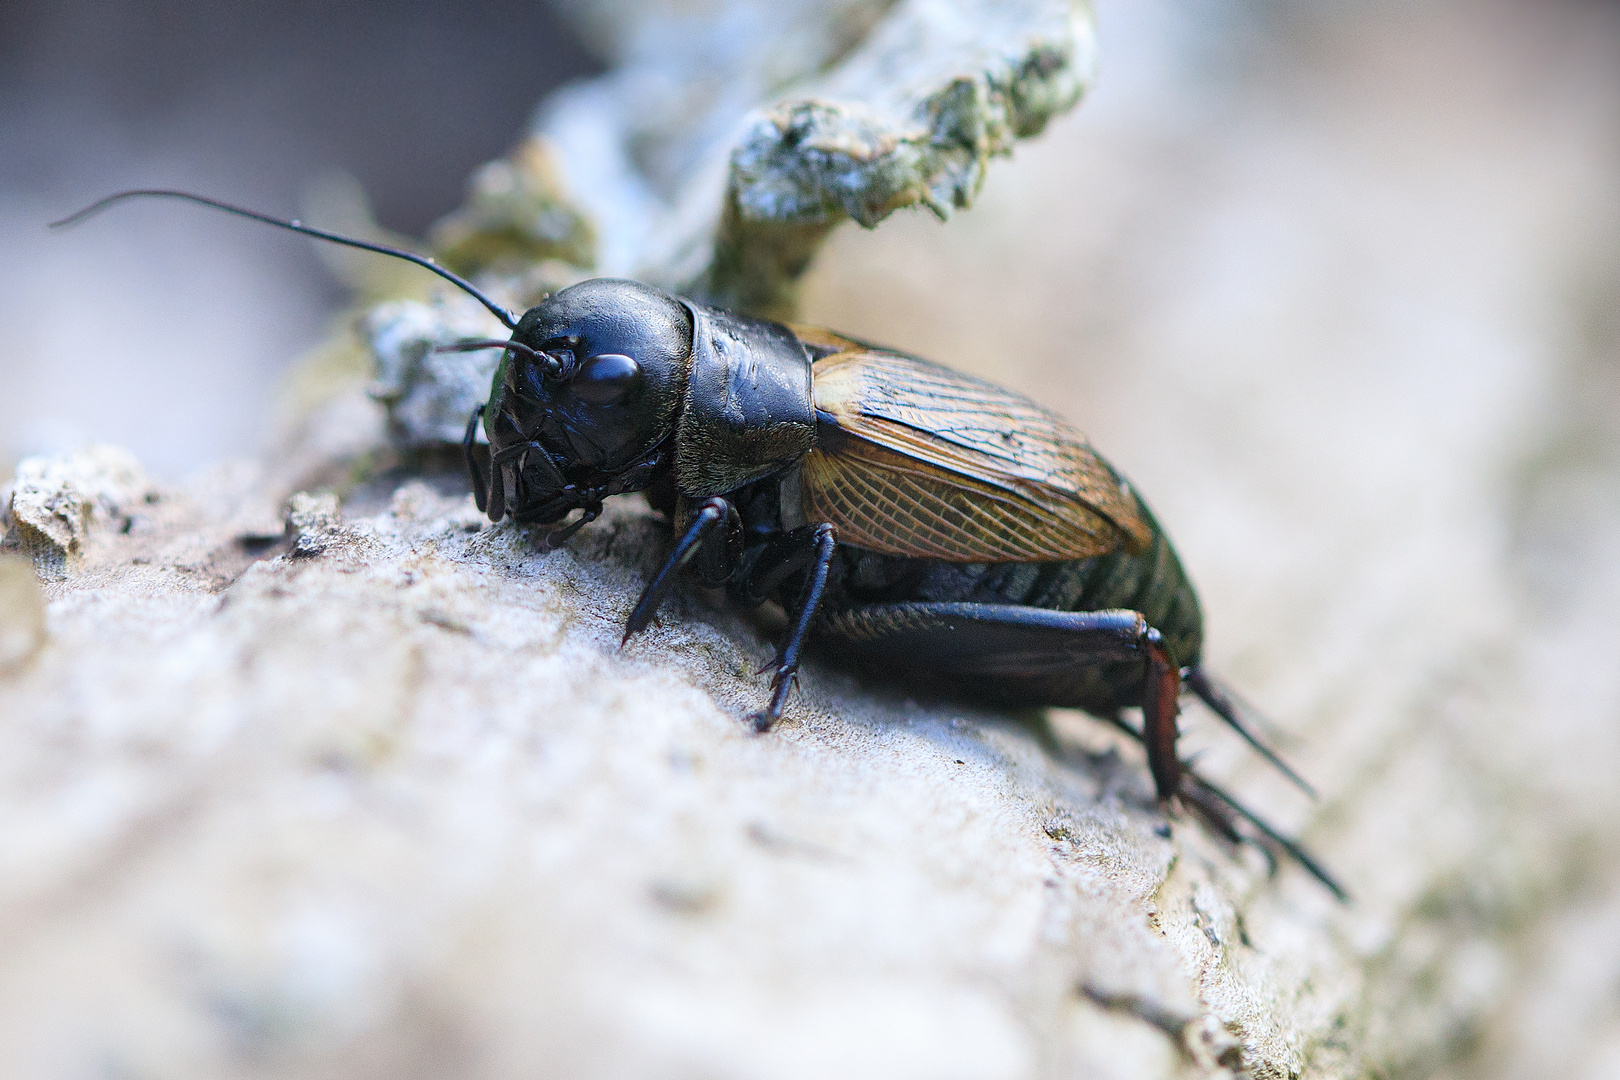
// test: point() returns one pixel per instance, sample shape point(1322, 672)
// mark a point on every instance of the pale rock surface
point(384, 797)
point(22, 630)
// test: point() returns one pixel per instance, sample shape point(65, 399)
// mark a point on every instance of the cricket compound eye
point(606, 379)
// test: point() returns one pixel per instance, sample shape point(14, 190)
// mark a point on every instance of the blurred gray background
point(162, 329)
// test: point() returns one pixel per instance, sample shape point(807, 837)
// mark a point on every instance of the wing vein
point(936, 464)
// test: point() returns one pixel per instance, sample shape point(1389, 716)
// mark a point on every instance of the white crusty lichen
point(428, 394)
point(55, 501)
point(910, 118)
point(728, 140)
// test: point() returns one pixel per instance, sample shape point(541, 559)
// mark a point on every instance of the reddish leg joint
point(1160, 693)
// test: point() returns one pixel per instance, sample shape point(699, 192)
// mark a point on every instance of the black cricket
point(907, 517)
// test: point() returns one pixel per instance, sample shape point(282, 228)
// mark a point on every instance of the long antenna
point(508, 319)
point(549, 361)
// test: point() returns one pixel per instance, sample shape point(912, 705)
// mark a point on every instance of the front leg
point(711, 515)
point(470, 453)
point(807, 545)
point(556, 538)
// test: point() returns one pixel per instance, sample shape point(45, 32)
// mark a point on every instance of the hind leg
point(1065, 658)
point(1033, 656)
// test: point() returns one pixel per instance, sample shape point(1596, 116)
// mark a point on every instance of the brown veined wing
point(916, 459)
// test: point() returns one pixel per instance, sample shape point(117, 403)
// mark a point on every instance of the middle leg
point(809, 546)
